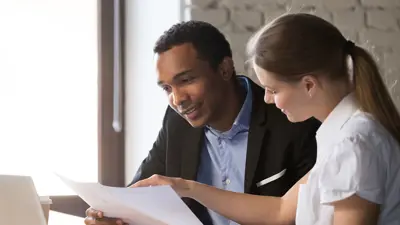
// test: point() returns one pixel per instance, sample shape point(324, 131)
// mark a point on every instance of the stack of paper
point(158, 205)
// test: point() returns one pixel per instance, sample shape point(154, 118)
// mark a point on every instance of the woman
point(308, 70)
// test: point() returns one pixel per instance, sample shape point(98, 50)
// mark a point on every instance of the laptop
point(19, 201)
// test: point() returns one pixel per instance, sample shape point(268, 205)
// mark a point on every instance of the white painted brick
point(217, 17)
point(392, 82)
point(380, 3)
point(228, 28)
point(350, 35)
point(392, 60)
point(242, 4)
point(395, 12)
point(339, 4)
point(382, 20)
point(238, 42)
point(391, 78)
point(377, 53)
point(200, 3)
point(239, 61)
point(252, 75)
point(272, 14)
point(348, 19)
point(247, 20)
point(314, 10)
point(300, 4)
point(380, 38)
point(324, 14)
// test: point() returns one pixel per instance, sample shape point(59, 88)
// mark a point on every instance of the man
point(217, 128)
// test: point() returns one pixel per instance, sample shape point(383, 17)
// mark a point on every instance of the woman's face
point(293, 99)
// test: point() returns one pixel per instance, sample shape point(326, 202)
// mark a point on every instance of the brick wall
point(374, 24)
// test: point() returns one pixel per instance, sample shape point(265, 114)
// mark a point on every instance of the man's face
point(194, 88)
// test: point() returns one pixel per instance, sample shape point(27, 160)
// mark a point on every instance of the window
point(58, 95)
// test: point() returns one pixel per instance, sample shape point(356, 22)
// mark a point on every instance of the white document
point(157, 205)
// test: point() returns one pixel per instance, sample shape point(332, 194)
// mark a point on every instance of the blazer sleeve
point(154, 163)
point(304, 148)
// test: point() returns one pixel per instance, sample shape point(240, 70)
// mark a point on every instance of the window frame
point(111, 144)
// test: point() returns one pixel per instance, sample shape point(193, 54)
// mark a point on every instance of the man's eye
point(167, 89)
point(187, 79)
point(271, 91)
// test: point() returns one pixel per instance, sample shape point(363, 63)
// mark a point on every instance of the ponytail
point(371, 92)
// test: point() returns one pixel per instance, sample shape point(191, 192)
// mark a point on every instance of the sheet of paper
point(159, 205)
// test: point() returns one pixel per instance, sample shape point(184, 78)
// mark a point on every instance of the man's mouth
point(188, 111)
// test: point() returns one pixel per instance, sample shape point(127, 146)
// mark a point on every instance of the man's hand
point(94, 217)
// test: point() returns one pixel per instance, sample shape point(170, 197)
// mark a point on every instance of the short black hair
point(210, 44)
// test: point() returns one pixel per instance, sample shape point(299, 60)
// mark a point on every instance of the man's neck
point(230, 110)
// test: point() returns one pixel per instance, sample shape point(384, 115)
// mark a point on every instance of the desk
point(56, 218)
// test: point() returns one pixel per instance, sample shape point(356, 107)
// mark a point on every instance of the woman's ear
point(310, 84)
point(226, 68)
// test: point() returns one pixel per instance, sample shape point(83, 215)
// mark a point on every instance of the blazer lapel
point(191, 149)
point(256, 135)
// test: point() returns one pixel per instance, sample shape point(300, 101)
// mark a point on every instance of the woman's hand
point(181, 186)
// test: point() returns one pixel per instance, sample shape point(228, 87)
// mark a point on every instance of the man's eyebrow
point(177, 76)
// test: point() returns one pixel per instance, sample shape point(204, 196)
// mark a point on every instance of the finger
point(89, 211)
point(90, 221)
point(145, 183)
point(108, 221)
point(151, 181)
point(94, 213)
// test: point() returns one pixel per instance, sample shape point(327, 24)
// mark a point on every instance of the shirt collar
point(242, 121)
point(336, 119)
point(244, 115)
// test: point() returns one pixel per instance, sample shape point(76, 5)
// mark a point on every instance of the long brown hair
point(294, 45)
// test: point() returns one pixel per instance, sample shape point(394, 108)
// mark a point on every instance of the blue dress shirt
point(223, 157)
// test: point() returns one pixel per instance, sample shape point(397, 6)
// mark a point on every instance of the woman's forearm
point(242, 208)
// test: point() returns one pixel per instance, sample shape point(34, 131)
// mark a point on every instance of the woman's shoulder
point(363, 127)
point(364, 140)
point(362, 160)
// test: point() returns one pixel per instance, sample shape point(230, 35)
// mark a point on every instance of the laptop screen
point(19, 202)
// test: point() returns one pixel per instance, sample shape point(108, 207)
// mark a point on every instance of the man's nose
point(179, 97)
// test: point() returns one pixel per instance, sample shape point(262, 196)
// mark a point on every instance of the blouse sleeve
point(354, 167)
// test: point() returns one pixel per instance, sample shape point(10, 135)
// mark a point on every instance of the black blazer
point(274, 144)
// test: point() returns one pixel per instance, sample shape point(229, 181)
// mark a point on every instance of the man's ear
point(226, 68)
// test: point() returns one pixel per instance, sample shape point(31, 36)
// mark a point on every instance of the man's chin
point(197, 123)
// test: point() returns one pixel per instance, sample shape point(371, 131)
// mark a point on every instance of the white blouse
point(356, 155)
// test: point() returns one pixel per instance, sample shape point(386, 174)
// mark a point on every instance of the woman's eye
point(271, 91)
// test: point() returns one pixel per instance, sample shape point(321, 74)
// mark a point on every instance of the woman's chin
point(293, 119)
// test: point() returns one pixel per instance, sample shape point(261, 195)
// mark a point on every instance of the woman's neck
point(330, 98)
